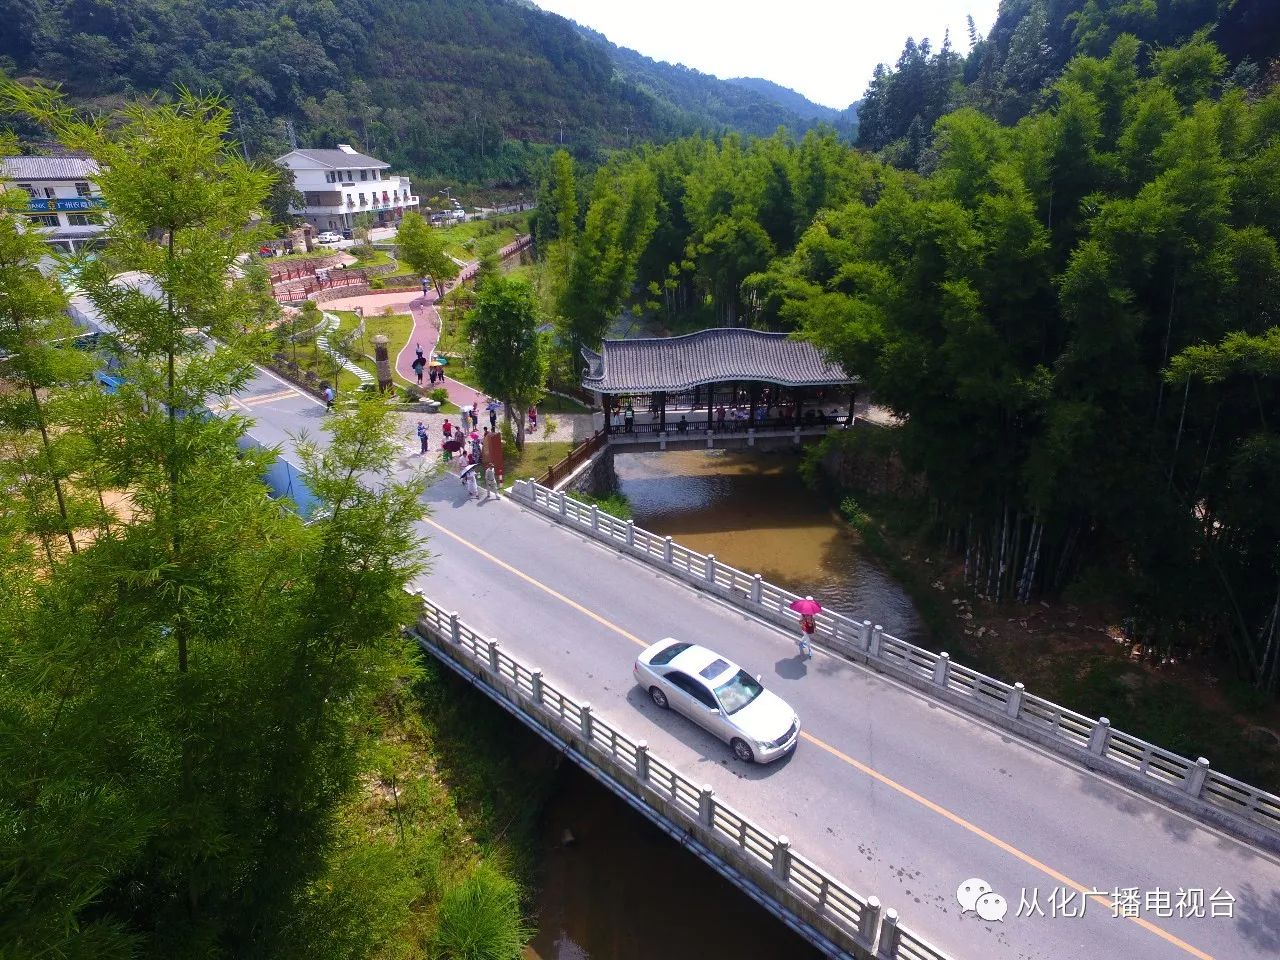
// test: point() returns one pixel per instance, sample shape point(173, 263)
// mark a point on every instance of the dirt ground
point(1080, 657)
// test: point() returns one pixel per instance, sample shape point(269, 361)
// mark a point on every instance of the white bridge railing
point(763, 864)
point(1189, 784)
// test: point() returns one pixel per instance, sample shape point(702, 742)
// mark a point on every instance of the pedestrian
point(420, 355)
point(533, 418)
point(419, 365)
point(683, 425)
point(493, 418)
point(475, 449)
point(615, 420)
point(328, 398)
point(447, 428)
point(475, 418)
point(807, 627)
point(473, 488)
point(720, 418)
point(423, 437)
point(629, 417)
point(491, 483)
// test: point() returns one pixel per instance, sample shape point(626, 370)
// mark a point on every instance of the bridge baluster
point(706, 805)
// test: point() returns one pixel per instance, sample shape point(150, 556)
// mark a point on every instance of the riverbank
point(1071, 650)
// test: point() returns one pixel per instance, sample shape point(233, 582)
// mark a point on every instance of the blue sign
point(53, 204)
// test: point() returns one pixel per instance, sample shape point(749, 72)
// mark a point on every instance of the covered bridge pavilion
point(719, 380)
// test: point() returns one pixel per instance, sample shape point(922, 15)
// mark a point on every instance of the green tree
point(422, 250)
point(510, 355)
point(188, 705)
point(36, 356)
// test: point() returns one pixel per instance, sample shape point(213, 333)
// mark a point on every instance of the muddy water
point(621, 889)
point(751, 510)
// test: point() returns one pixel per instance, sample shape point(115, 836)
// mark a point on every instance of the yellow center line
point(858, 765)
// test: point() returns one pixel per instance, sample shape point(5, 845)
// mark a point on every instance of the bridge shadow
point(710, 750)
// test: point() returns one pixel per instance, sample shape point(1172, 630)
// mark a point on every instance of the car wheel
point(742, 751)
point(658, 697)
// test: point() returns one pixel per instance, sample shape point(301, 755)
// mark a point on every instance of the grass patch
point(378, 258)
point(324, 366)
point(477, 238)
point(397, 327)
point(553, 403)
point(535, 459)
point(615, 504)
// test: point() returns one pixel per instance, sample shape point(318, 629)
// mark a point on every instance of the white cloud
point(825, 49)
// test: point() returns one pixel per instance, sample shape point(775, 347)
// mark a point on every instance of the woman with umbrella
point(468, 478)
point(808, 608)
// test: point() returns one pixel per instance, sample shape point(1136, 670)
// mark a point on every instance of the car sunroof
point(713, 669)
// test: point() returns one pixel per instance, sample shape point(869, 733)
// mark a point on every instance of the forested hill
point(1007, 73)
point(470, 90)
point(794, 101)
point(749, 105)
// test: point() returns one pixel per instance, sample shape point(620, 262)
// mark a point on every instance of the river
point(621, 889)
point(751, 510)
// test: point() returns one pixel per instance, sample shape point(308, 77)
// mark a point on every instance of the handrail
point(853, 922)
point(1190, 784)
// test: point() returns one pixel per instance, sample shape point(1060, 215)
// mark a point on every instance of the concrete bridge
point(914, 774)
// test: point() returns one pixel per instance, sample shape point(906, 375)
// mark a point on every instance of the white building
point(339, 184)
point(66, 205)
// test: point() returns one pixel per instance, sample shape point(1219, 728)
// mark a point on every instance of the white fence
point(1188, 784)
point(841, 921)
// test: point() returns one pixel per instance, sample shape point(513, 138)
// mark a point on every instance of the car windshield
point(740, 690)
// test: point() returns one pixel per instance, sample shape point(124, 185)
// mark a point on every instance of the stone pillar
point(382, 361)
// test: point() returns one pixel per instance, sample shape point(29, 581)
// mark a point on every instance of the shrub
point(480, 919)
point(376, 283)
point(854, 514)
point(439, 394)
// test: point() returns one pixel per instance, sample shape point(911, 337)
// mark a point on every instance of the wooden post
point(853, 395)
point(662, 411)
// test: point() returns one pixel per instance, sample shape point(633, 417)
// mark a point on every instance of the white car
point(329, 237)
point(719, 696)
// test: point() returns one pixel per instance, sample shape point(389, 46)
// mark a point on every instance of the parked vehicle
point(329, 237)
point(720, 697)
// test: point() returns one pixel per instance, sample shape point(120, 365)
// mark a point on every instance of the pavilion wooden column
point(853, 395)
point(711, 401)
point(755, 396)
point(662, 411)
point(607, 403)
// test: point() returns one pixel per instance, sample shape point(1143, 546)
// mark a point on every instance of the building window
point(329, 177)
point(82, 189)
point(362, 199)
point(377, 174)
point(44, 220)
point(84, 220)
point(364, 174)
point(49, 194)
point(35, 194)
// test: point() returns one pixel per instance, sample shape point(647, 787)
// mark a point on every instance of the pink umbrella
point(474, 435)
point(807, 607)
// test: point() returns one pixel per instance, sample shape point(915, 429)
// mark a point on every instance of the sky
point(826, 49)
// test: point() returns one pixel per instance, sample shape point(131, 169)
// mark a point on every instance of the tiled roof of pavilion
point(721, 355)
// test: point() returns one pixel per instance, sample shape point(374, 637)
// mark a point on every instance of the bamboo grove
point(1074, 316)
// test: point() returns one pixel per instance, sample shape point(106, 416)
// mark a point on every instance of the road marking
point(254, 401)
point(856, 764)
point(541, 586)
